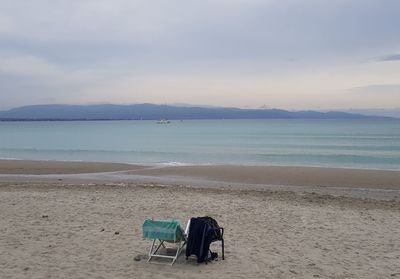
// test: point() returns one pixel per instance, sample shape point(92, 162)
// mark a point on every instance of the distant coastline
point(123, 119)
point(156, 112)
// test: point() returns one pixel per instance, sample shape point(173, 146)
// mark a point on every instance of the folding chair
point(165, 231)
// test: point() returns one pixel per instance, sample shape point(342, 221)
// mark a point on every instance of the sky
point(299, 54)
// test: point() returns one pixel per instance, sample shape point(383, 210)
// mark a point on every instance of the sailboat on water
point(163, 121)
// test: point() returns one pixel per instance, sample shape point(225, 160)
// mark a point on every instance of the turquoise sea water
point(372, 144)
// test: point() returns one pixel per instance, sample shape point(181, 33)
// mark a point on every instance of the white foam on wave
point(179, 164)
point(184, 164)
point(10, 158)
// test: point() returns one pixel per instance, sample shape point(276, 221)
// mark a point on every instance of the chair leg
point(223, 249)
point(152, 247)
point(153, 250)
point(178, 251)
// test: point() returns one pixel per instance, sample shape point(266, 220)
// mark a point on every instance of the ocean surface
point(367, 144)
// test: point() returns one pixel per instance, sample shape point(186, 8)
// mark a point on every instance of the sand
point(66, 229)
point(284, 175)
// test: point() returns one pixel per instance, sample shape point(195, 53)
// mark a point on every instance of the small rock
point(26, 268)
point(116, 232)
point(45, 216)
point(102, 230)
point(137, 258)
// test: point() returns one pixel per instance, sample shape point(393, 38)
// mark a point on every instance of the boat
point(163, 121)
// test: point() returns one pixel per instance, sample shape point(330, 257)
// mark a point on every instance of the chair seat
point(168, 230)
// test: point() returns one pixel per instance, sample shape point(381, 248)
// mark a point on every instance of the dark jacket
point(201, 234)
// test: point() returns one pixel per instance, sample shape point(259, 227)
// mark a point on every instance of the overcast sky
point(299, 54)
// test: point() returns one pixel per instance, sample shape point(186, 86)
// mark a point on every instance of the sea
point(360, 144)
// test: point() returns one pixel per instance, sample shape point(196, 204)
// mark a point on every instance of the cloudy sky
point(299, 54)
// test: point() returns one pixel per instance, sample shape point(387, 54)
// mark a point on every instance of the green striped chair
point(164, 231)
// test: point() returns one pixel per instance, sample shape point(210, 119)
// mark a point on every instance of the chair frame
point(154, 249)
point(222, 240)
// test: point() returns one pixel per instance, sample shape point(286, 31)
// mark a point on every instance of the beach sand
point(67, 228)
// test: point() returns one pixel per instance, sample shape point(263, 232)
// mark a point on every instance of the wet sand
point(58, 167)
point(284, 175)
point(251, 175)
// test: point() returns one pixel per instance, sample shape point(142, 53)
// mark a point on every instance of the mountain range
point(154, 112)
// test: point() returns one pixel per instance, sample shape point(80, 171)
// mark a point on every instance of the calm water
point(371, 144)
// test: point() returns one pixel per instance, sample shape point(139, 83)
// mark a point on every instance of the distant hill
point(153, 112)
point(393, 112)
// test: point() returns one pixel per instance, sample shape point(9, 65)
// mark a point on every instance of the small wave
point(179, 164)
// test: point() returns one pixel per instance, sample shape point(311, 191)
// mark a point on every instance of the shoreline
point(127, 165)
point(182, 164)
point(39, 167)
point(354, 183)
point(245, 174)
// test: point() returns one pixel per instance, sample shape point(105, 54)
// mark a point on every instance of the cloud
point(378, 90)
point(17, 64)
point(390, 57)
point(187, 33)
point(28, 79)
point(20, 65)
point(246, 51)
